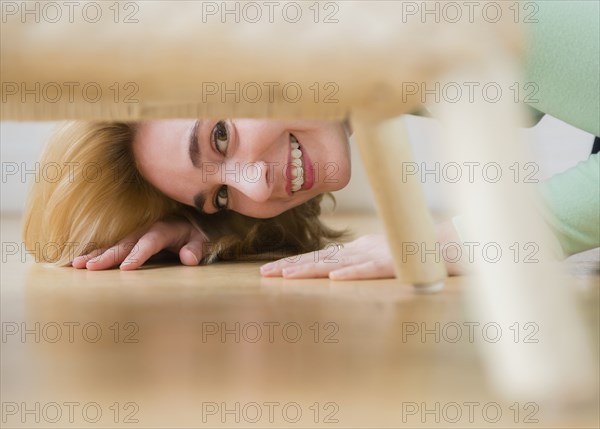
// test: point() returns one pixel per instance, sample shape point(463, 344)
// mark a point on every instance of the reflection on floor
point(174, 346)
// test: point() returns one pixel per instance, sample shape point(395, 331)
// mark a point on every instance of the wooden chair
point(156, 60)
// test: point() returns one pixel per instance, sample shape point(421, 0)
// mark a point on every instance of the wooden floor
point(174, 346)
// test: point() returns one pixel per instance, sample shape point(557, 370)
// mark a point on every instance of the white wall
point(553, 145)
point(556, 146)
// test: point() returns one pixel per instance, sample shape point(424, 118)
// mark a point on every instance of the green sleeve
point(563, 61)
point(573, 202)
point(571, 208)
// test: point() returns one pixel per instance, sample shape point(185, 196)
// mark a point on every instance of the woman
point(135, 185)
point(161, 169)
point(124, 178)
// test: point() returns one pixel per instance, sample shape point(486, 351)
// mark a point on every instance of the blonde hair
point(97, 197)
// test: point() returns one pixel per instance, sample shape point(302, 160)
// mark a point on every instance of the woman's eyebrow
point(194, 151)
point(194, 147)
point(199, 200)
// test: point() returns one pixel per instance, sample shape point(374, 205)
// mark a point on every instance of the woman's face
point(259, 168)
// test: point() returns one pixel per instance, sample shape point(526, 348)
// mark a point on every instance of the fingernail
point(337, 275)
point(289, 271)
point(268, 268)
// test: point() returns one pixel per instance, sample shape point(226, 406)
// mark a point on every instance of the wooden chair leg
point(520, 296)
point(400, 202)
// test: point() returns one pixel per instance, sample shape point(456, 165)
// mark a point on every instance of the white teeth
point(297, 170)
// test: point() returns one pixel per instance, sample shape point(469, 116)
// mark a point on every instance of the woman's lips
point(309, 171)
point(288, 172)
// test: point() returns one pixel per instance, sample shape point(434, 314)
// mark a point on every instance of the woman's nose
point(253, 179)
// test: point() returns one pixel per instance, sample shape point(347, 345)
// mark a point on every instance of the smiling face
point(259, 168)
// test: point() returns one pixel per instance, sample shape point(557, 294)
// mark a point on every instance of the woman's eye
point(221, 198)
point(220, 137)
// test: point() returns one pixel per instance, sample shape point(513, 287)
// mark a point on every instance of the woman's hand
point(368, 257)
point(176, 235)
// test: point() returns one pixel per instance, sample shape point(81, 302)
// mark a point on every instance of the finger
point(320, 269)
point(191, 253)
point(274, 269)
point(81, 261)
point(112, 256)
point(173, 236)
point(379, 269)
point(147, 246)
